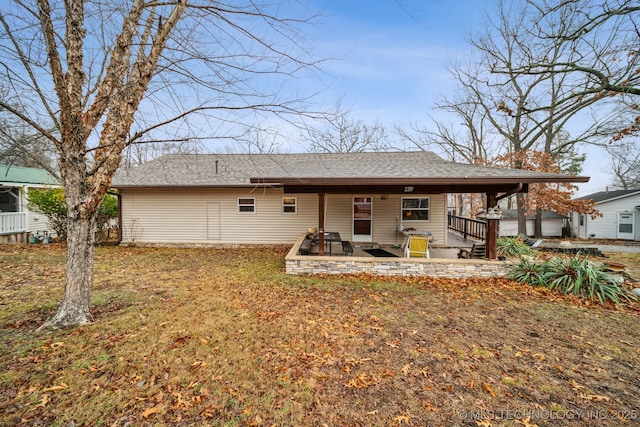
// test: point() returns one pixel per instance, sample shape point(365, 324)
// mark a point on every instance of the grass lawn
point(223, 337)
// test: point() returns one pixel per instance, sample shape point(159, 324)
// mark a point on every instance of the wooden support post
point(492, 229)
point(321, 197)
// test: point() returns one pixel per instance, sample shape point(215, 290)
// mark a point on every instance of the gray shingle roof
point(178, 170)
point(603, 196)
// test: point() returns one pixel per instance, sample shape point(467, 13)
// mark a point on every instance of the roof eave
point(414, 180)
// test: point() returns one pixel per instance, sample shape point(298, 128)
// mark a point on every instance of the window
point(289, 205)
point(581, 220)
point(415, 209)
point(247, 205)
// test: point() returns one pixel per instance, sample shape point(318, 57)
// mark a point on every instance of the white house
point(16, 221)
point(553, 224)
point(620, 216)
point(274, 198)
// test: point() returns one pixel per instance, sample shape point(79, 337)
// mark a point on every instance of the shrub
point(529, 271)
point(513, 246)
point(576, 275)
point(52, 204)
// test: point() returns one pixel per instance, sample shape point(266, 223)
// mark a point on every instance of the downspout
point(518, 189)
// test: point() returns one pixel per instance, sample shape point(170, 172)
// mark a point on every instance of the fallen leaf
point(45, 399)
point(489, 389)
point(402, 419)
point(150, 411)
point(540, 356)
point(429, 406)
point(405, 370)
point(575, 385)
point(484, 423)
point(60, 387)
point(594, 397)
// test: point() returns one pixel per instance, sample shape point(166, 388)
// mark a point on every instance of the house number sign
point(408, 189)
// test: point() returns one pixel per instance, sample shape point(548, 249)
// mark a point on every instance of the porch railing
point(13, 222)
point(467, 227)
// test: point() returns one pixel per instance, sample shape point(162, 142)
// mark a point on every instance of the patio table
point(329, 238)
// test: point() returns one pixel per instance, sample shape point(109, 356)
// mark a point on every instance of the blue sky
point(391, 57)
point(390, 60)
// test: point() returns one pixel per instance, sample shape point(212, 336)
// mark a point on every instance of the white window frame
point(289, 205)
point(253, 205)
point(402, 209)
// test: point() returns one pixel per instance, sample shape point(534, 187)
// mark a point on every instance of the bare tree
point(137, 154)
point(96, 77)
point(602, 44)
point(465, 142)
point(340, 133)
point(625, 164)
point(523, 111)
point(602, 38)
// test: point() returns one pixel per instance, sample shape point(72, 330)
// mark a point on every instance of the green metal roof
point(20, 175)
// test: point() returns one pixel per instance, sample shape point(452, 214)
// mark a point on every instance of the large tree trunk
point(522, 218)
point(74, 309)
point(538, 224)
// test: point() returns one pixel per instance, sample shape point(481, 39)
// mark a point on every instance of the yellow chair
point(417, 246)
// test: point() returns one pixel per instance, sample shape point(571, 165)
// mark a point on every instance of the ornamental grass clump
point(573, 275)
point(529, 271)
point(513, 246)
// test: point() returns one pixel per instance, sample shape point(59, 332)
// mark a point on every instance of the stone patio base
point(436, 267)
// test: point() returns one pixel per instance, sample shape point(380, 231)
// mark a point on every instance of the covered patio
point(406, 176)
point(443, 261)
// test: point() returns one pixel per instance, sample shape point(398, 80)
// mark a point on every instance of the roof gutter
point(415, 180)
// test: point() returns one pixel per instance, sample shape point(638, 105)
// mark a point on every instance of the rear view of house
point(232, 199)
point(620, 216)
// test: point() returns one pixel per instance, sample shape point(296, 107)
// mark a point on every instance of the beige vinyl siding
point(211, 216)
point(437, 223)
point(339, 216)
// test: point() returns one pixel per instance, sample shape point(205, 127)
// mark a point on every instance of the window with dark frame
point(415, 208)
point(289, 205)
point(247, 205)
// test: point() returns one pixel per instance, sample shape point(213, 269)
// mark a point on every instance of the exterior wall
point(385, 216)
point(39, 222)
point(551, 227)
point(211, 216)
point(606, 227)
point(455, 268)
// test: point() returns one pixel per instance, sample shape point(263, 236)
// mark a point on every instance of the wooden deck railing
point(466, 227)
point(13, 222)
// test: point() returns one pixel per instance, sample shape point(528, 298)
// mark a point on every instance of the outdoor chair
point(417, 246)
point(477, 251)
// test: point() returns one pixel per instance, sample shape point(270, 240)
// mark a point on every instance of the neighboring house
point(16, 221)
point(620, 218)
point(553, 224)
point(275, 198)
